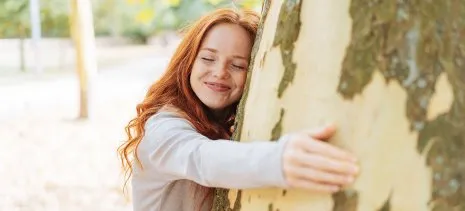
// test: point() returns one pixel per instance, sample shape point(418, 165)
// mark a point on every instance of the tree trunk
point(22, 52)
point(82, 30)
point(390, 74)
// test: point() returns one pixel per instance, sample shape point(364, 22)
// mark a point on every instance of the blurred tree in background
point(14, 20)
point(55, 17)
point(136, 19)
point(144, 18)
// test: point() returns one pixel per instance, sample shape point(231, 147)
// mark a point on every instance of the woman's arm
point(174, 149)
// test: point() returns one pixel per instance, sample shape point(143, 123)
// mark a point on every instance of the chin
point(215, 106)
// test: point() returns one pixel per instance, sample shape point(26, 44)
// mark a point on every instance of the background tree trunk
point(36, 34)
point(390, 74)
point(82, 31)
point(22, 52)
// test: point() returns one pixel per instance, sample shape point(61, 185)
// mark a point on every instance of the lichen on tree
point(413, 43)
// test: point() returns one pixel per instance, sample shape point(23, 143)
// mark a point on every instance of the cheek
point(199, 70)
point(194, 79)
point(194, 70)
point(239, 79)
point(196, 73)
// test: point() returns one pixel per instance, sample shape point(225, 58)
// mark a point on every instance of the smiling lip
point(217, 87)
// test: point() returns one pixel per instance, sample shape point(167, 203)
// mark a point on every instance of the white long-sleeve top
point(175, 158)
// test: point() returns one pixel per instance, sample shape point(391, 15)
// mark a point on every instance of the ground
point(52, 161)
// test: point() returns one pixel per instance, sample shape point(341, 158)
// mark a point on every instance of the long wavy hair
point(174, 89)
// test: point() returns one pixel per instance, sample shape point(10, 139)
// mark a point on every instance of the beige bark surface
point(379, 75)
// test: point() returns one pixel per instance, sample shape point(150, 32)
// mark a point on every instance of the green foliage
point(186, 12)
point(250, 4)
point(138, 19)
point(54, 15)
point(175, 14)
point(13, 18)
point(106, 16)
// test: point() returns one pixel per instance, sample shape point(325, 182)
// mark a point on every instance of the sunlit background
point(50, 157)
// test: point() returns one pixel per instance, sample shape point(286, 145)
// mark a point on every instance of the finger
point(322, 133)
point(321, 176)
point(313, 186)
point(327, 150)
point(323, 163)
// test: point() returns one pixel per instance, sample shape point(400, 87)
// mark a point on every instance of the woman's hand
point(310, 163)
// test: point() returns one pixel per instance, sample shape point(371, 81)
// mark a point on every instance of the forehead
point(228, 38)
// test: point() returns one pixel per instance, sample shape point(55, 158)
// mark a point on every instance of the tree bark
point(390, 74)
point(22, 52)
point(82, 30)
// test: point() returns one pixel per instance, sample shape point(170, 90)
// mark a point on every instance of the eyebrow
point(216, 51)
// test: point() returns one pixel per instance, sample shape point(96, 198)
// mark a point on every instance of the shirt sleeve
point(173, 148)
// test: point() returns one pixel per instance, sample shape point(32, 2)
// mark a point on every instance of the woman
point(179, 139)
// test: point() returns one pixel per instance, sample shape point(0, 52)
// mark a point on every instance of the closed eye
point(238, 67)
point(207, 59)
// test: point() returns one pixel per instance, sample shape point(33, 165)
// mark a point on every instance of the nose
point(221, 70)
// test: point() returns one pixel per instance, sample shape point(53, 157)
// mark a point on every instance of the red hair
point(174, 89)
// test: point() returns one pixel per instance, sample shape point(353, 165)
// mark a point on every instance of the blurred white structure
point(34, 9)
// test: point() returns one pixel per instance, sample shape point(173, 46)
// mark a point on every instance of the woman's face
point(220, 68)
